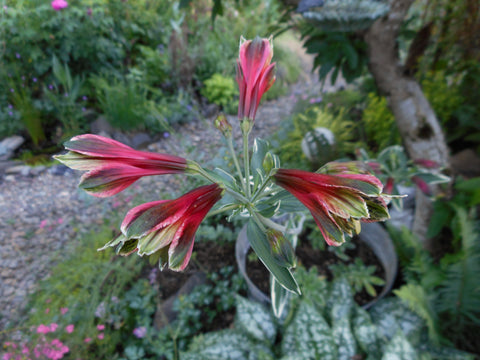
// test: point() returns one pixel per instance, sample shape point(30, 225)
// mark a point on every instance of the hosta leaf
point(391, 315)
point(340, 301)
point(224, 345)
point(308, 336)
point(260, 245)
point(365, 332)
point(255, 320)
point(343, 336)
point(399, 349)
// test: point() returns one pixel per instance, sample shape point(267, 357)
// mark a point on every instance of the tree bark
point(418, 125)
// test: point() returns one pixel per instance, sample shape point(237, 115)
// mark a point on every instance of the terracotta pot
point(372, 234)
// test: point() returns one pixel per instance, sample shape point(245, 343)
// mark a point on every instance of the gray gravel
point(44, 211)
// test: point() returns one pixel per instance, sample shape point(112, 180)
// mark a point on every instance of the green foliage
point(88, 283)
point(221, 90)
point(291, 136)
point(64, 95)
point(334, 51)
point(443, 94)
point(379, 123)
point(127, 104)
point(359, 276)
point(446, 294)
point(30, 115)
point(330, 326)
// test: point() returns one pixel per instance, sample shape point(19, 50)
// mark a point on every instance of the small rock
point(37, 170)
point(58, 169)
point(101, 125)
point(466, 163)
point(124, 139)
point(9, 145)
point(9, 178)
point(141, 140)
point(18, 169)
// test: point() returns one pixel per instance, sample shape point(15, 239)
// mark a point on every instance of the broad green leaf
point(260, 245)
point(398, 348)
point(365, 332)
point(225, 345)
point(431, 178)
point(343, 337)
point(340, 301)
point(391, 315)
point(255, 320)
point(308, 336)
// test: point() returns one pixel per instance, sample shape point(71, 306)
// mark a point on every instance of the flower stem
point(237, 164)
point(246, 163)
point(225, 208)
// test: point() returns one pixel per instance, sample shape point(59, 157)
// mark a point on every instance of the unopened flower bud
point(281, 248)
point(268, 163)
point(222, 124)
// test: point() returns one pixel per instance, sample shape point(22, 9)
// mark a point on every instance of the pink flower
point(43, 329)
point(87, 340)
point(58, 5)
point(53, 327)
point(167, 226)
point(339, 198)
point(43, 223)
point(100, 327)
point(426, 163)
point(255, 74)
point(140, 332)
point(63, 310)
point(422, 185)
point(112, 166)
point(101, 336)
point(69, 328)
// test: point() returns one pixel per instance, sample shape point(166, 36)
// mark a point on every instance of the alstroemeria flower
point(255, 74)
point(338, 199)
point(113, 166)
point(166, 229)
point(58, 5)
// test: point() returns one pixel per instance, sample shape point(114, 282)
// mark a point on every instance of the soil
point(309, 257)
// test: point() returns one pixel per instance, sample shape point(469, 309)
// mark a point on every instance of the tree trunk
point(418, 125)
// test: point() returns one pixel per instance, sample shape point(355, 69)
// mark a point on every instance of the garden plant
point(339, 195)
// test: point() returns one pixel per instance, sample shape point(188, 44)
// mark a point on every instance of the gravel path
point(42, 214)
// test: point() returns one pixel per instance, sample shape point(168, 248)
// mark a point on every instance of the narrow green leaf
point(260, 245)
point(279, 297)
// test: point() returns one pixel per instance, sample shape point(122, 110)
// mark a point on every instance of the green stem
point(246, 163)
point(258, 221)
point(225, 208)
point(237, 164)
point(260, 190)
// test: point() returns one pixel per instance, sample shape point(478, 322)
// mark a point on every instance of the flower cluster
point(339, 195)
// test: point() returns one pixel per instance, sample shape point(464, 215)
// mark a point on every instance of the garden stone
point(101, 125)
point(9, 145)
point(119, 136)
point(58, 169)
point(36, 170)
point(141, 140)
point(466, 162)
point(23, 170)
